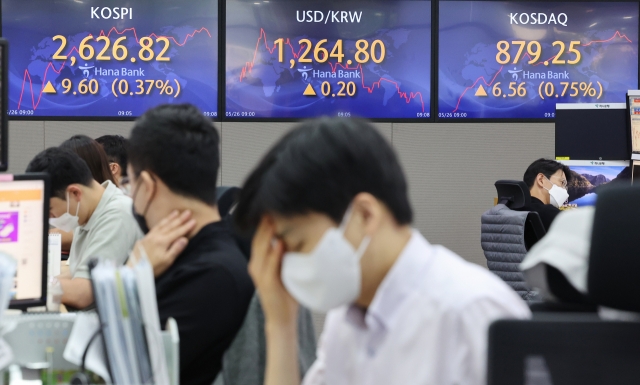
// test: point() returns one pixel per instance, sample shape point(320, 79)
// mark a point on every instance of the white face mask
point(66, 222)
point(557, 195)
point(329, 276)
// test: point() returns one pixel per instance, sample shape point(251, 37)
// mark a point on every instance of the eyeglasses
point(563, 183)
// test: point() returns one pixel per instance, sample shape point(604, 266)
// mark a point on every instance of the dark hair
point(546, 167)
point(321, 165)
point(115, 146)
point(64, 168)
point(180, 145)
point(93, 154)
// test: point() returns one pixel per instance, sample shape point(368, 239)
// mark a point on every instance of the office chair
point(614, 263)
point(226, 198)
point(507, 235)
point(567, 349)
point(244, 361)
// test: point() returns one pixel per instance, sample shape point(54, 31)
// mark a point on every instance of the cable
point(81, 377)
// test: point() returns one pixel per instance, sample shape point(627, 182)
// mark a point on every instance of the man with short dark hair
point(201, 274)
point(547, 181)
point(99, 215)
point(331, 208)
point(115, 146)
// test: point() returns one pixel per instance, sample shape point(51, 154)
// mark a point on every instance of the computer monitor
point(563, 350)
point(587, 176)
point(633, 104)
point(592, 131)
point(24, 230)
point(4, 94)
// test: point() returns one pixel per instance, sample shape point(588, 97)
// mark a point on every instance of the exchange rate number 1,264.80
point(364, 53)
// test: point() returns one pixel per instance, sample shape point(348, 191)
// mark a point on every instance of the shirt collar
point(204, 237)
point(405, 275)
point(109, 191)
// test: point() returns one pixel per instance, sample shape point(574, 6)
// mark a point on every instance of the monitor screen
point(592, 131)
point(4, 128)
point(589, 175)
point(301, 59)
point(512, 59)
point(23, 234)
point(95, 59)
point(634, 120)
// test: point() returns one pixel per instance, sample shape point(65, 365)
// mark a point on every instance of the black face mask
point(142, 222)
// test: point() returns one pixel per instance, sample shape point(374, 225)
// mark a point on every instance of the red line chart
point(615, 35)
point(248, 67)
point(51, 66)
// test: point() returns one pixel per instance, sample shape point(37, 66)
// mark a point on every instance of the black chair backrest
point(614, 261)
point(513, 193)
point(564, 350)
point(226, 198)
point(533, 230)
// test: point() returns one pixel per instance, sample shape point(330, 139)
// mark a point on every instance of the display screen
point(301, 59)
point(634, 120)
point(100, 59)
point(592, 131)
point(501, 59)
point(21, 234)
point(588, 176)
point(3, 100)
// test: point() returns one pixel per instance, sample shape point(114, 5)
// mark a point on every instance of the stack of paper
point(55, 255)
point(7, 277)
point(126, 306)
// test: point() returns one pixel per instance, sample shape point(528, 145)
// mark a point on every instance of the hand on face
point(165, 241)
point(264, 267)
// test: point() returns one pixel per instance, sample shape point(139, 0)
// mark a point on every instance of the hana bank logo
point(85, 69)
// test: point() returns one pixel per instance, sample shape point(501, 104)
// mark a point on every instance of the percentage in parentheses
point(113, 87)
point(540, 90)
point(587, 89)
point(177, 88)
point(600, 95)
point(164, 87)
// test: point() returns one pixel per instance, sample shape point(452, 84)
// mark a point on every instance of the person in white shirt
point(566, 247)
point(330, 208)
point(99, 215)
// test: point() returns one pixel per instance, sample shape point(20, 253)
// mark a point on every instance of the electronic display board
point(4, 126)
point(102, 59)
point(301, 59)
point(500, 59)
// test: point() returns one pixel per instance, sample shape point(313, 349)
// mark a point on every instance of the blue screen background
point(470, 31)
point(30, 26)
point(259, 85)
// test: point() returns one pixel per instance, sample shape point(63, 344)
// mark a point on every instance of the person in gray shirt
point(98, 214)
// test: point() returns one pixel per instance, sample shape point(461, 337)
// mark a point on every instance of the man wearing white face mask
point(99, 215)
point(547, 181)
point(332, 213)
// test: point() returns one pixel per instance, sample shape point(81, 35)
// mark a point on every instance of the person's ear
point(75, 192)
point(540, 180)
point(367, 212)
point(115, 169)
point(146, 186)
